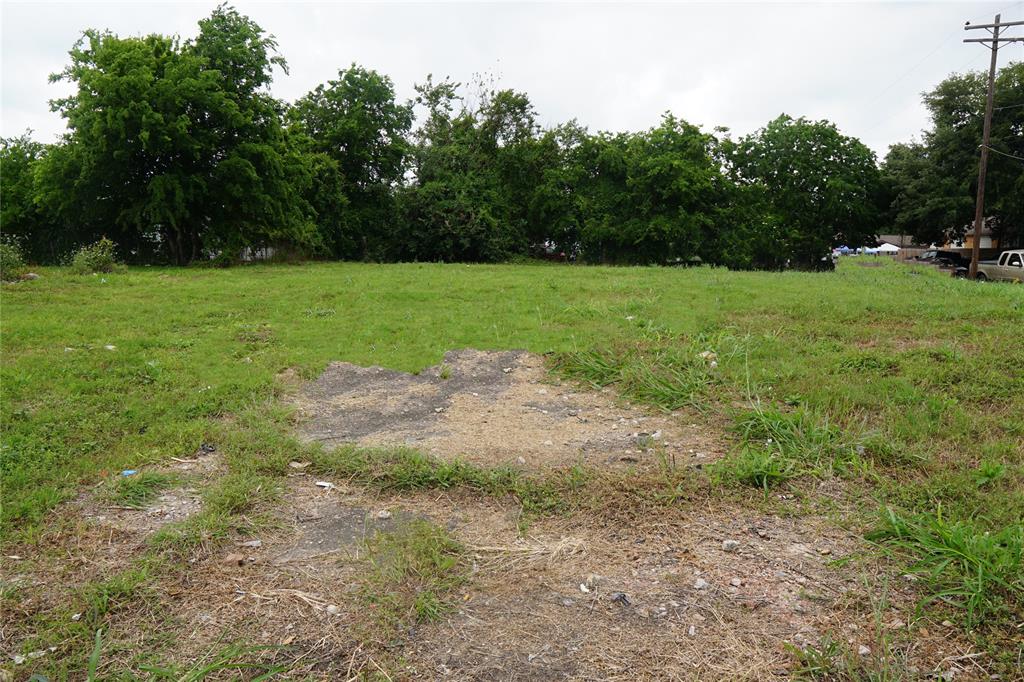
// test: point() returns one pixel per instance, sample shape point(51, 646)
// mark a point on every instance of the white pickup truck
point(1009, 267)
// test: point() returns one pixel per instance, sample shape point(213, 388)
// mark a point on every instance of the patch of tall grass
point(667, 373)
point(979, 572)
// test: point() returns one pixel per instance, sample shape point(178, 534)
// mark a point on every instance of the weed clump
point(778, 446)
point(139, 490)
point(405, 469)
point(12, 262)
point(978, 571)
point(240, 492)
point(98, 257)
point(833, 659)
point(666, 374)
point(413, 571)
point(759, 468)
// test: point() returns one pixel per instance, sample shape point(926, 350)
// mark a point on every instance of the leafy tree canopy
point(821, 184)
point(176, 146)
point(932, 184)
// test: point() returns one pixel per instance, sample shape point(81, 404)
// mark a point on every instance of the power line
point(911, 69)
point(993, 149)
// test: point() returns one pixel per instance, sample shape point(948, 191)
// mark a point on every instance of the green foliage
point(835, 661)
point(232, 658)
point(976, 570)
point(405, 469)
point(666, 372)
point(197, 353)
point(801, 440)
point(758, 467)
point(197, 151)
point(651, 196)
point(931, 185)
point(12, 263)
point(822, 186)
point(235, 661)
point(94, 657)
point(98, 257)
point(776, 446)
point(361, 132)
point(239, 492)
point(989, 472)
point(475, 169)
point(208, 165)
point(21, 218)
point(101, 598)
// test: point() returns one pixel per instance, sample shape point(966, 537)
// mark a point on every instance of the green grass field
point(906, 383)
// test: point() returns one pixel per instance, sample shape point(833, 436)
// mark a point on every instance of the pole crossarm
point(998, 24)
point(994, 40)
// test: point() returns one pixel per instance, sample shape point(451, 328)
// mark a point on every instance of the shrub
point(12, 263)
point(98, 257)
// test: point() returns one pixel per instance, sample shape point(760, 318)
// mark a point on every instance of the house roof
point(901, 240)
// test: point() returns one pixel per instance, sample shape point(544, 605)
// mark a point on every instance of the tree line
point(177, 152)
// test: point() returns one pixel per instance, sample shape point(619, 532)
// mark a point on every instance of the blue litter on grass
point(129, 472)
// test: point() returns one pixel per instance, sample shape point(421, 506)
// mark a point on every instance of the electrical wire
point(943, 43)
point(993, 149)
point(916, 64)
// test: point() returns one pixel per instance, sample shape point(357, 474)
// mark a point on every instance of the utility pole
point(991, 43)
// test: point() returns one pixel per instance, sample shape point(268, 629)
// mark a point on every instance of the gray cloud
point(611, 66)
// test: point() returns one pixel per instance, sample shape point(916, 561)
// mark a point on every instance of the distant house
point(902, 241)
point(988, 239)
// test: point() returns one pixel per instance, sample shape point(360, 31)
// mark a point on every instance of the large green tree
point(923, 200)
point(649, 197)
point(21, 218)
point(822, 186)
point(475, 171)
point(933, 184)
point(178, 145)
point(357, 123)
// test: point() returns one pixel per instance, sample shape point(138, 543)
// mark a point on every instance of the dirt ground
point(713, 592)
point(492, 408)
point(707, 589)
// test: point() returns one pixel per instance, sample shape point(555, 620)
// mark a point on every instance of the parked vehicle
point(1008, 267)
point(939, 257)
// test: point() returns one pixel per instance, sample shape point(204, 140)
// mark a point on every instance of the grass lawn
point(907, 383)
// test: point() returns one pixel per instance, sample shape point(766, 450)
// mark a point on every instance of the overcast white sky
point(611, 66)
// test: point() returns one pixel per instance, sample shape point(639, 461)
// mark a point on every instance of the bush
point(12, 263)
point(98, 257)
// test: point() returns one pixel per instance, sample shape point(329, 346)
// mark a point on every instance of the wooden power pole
point(993, 44)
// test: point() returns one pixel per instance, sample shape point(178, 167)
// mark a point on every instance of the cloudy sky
point(613, 66)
